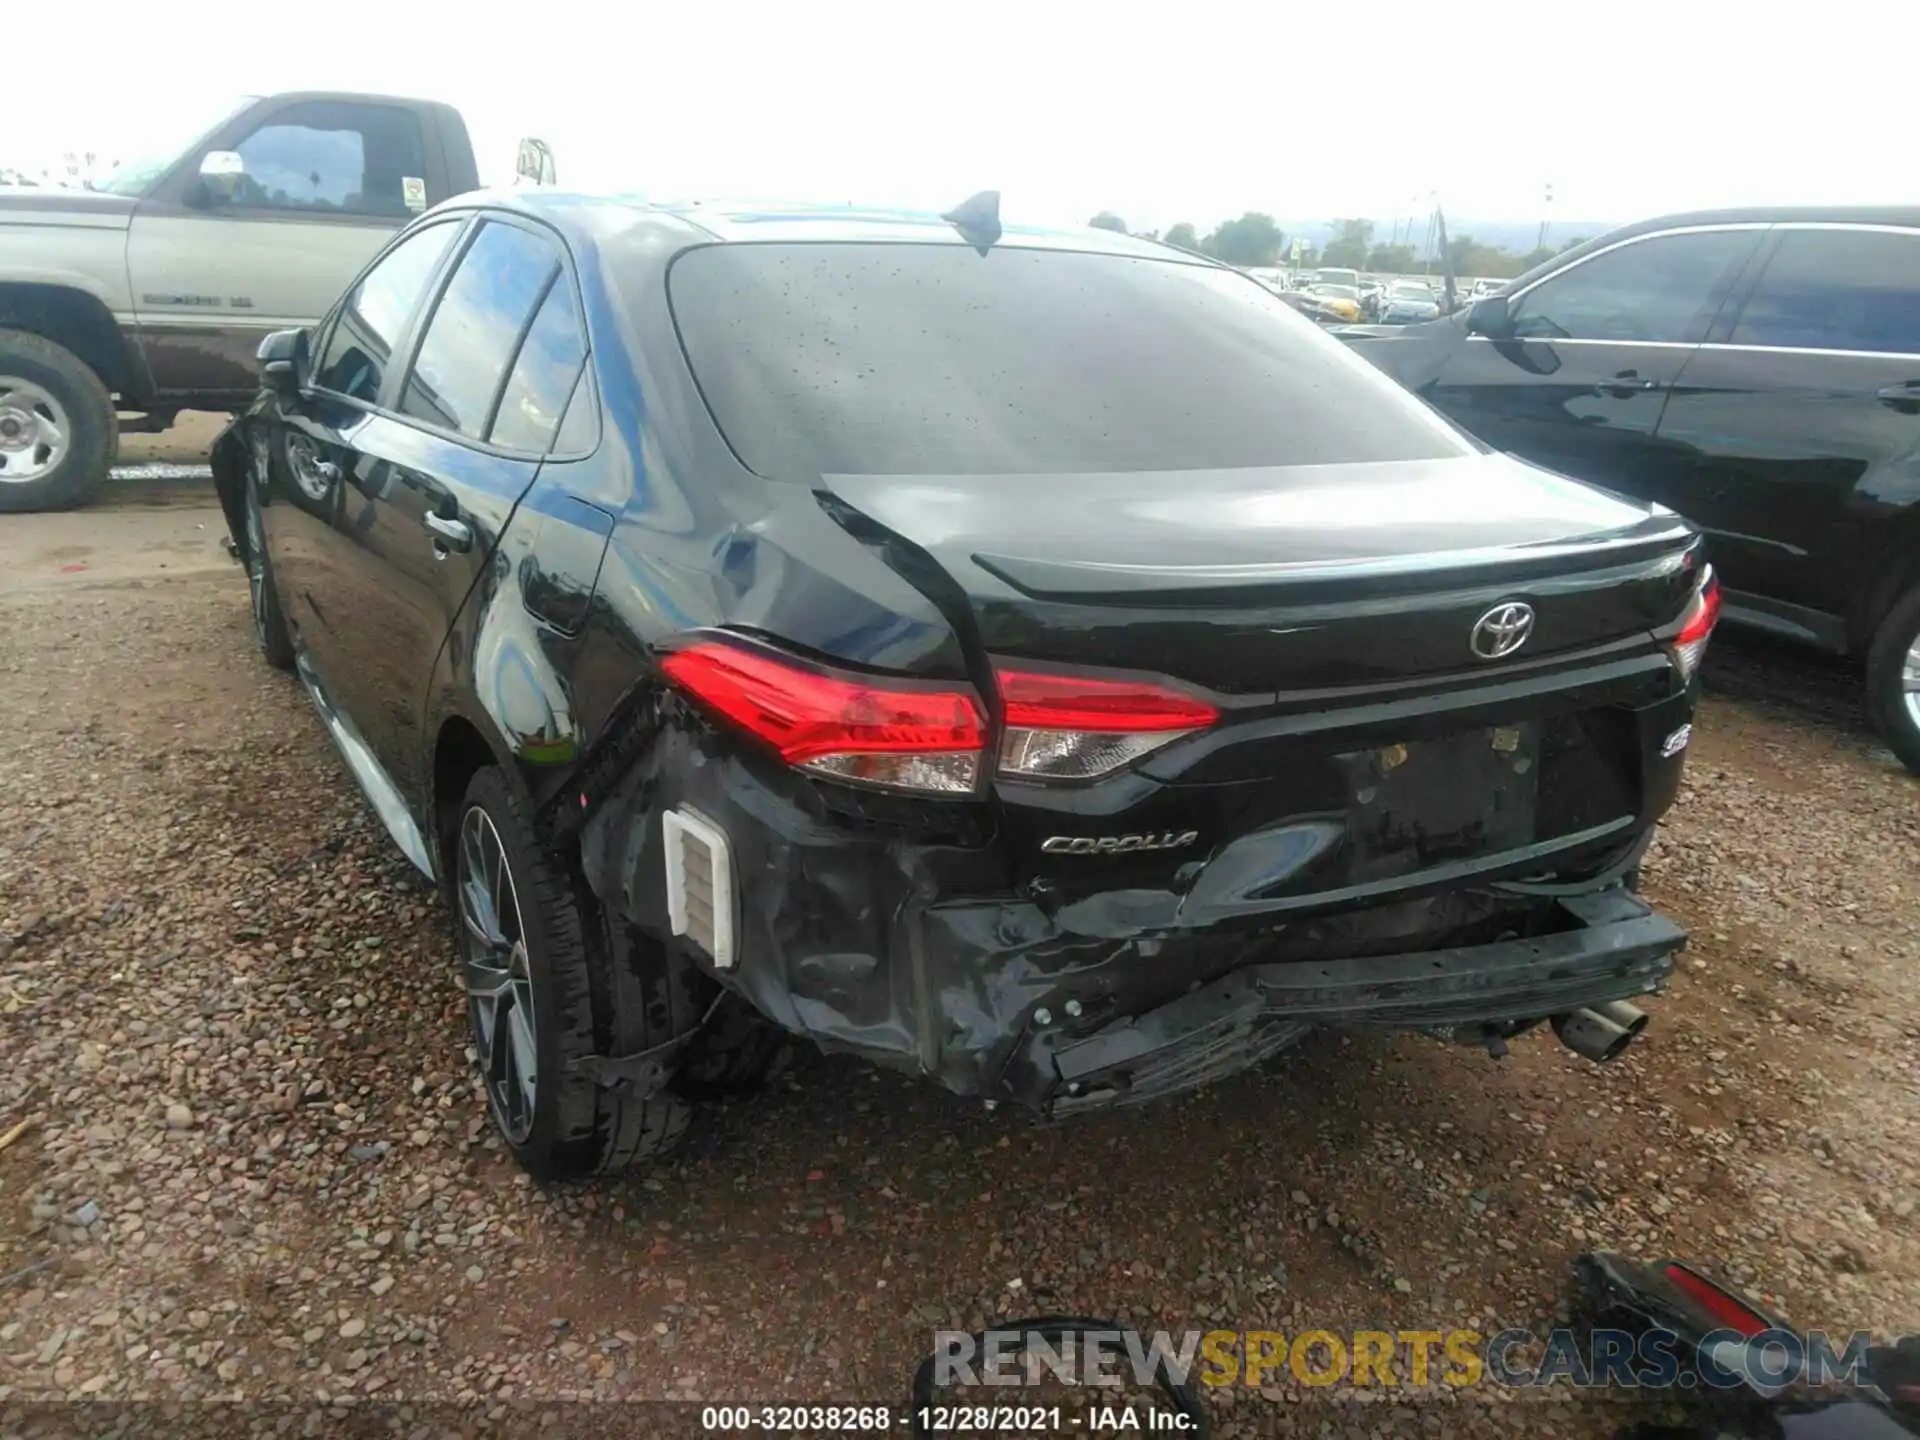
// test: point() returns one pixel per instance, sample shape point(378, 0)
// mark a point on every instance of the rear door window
point(543, 374)
point(1664, 289)
point(1838, 290)
point(476, 328)
point(371, 319)
point(928, 359)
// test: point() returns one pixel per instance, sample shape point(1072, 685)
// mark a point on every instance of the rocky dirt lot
point(253, 1164)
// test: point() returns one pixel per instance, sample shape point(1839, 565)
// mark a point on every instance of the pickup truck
point(150, 293)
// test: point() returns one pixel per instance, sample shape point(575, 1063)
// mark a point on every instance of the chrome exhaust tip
point(1594, 1035)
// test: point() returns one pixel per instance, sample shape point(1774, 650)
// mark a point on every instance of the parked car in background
point(1339, 304)
point(1756, 370)
point(1406, 302)
point(1114, 683)
point(151, 292)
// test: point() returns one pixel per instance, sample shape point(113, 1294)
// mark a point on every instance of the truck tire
point(1893, 679)
point(58, 431)
point(550, 985)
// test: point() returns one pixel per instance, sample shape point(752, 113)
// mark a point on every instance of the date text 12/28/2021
point(945, 1419)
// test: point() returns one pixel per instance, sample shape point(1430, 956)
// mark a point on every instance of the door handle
point(1627, 383)
point(448, 533)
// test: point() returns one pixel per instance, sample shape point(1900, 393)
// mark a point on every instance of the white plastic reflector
point(699, 883)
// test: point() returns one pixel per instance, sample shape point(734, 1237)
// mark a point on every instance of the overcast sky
point(1159, 112)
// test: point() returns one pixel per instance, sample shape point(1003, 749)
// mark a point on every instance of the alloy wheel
point(1910, 682)
point(35, 433)
point(499, 983)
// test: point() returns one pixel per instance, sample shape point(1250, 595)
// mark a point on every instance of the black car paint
point(932, 934)
point(1801, 467)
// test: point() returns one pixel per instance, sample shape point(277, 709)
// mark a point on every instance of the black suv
point(1036, 660)
point(1757, 371)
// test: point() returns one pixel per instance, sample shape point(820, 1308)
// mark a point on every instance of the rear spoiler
point(534, 164)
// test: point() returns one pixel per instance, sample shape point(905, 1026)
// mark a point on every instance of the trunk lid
point(1256, 583)
point(1364, 752)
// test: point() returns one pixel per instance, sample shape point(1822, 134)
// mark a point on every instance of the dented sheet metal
point(909, 943)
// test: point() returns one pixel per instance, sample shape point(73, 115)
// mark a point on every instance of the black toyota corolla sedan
point(1034, 659)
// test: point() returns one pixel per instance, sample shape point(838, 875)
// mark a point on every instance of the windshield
point(165, 140)
point(876, 359)
point(1336, 292)
point(1339, 277)
point(1410, 290)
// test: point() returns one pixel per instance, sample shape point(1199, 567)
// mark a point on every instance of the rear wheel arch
point(460, 751)
point(1897, 573)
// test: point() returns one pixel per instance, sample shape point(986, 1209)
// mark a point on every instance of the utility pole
point(1540, 242)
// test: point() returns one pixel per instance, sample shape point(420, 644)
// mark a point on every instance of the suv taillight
point(1069, 727)
point(912, 735)
point(1696, 629)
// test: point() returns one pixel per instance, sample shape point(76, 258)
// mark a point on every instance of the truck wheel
point(548, 986)
point(269, 623)
point(1893, 679)
point(58, 432)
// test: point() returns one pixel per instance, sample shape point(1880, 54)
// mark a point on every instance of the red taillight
point(1727, 1308)
point(1073, 727)
point(1703, 613)
point(901, 734)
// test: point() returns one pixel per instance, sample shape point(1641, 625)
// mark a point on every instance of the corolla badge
point(1502, 630)
point(1117, 844)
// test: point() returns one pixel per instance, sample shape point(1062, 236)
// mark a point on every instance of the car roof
point(1907, 215)
point(699, 222)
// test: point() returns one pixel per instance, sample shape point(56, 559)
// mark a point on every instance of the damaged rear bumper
point(1617, 948)
point(911, 952)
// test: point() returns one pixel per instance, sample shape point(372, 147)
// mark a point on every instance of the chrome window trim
point(1847, 225)
point(1815, 350)
point(1584, 340)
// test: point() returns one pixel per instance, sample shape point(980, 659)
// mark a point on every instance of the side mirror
point(283, 360)
point(1489, 317)
point(221, 172)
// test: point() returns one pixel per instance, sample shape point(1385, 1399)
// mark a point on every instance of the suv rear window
point(915, 359)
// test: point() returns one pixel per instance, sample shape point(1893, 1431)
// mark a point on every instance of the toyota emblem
point(1502, 630)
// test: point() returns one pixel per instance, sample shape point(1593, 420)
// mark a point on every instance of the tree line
point(1256, 239)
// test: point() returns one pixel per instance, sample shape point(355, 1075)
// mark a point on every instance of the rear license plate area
point(1416, 804)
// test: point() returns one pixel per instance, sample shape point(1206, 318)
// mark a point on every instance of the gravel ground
point(254, 1165)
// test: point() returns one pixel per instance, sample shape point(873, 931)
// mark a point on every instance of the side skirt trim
point(371, 776)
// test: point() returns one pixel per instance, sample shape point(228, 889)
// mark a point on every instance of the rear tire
point(1893, 679)
point(560, 988)
point(269, 621)
point(736, 1052)
point(58, 430)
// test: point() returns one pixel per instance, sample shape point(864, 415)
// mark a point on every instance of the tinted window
point(543, 375)
point(914, 359)
point(1838, 290)
point(355, 159)
point(377, 310)
point(476, 326)
point(1659, 289)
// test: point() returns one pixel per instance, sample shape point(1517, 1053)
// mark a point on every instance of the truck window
point(335, 157)
point(1661, 289)
point(1838, 290)
point(479, 320)
point(377, 310)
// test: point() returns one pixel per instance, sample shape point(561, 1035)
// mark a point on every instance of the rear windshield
point(917, 359)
